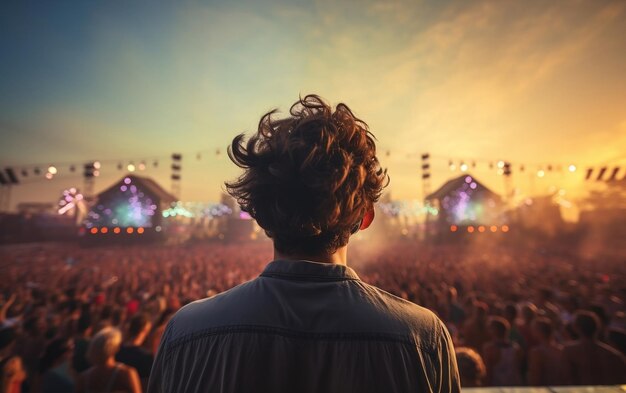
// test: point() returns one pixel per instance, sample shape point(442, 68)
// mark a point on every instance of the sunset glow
point(480, 82)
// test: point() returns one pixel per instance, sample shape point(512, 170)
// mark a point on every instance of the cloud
point(462, 79)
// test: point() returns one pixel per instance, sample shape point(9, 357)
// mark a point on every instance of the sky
point(534, 83)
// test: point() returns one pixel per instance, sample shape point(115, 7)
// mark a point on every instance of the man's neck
point(339, 257)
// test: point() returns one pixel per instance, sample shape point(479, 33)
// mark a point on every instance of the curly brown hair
point(308, 178)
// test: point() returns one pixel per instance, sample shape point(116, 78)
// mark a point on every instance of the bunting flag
point(50, 171)
point(601, 173)
point(614, 174)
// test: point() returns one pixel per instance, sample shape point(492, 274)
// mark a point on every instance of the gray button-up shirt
point(305, 327)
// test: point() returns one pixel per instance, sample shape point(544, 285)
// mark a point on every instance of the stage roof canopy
point(453, 185)
point(144, 183)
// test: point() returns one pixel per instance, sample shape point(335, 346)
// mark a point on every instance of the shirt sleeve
point(448, 380)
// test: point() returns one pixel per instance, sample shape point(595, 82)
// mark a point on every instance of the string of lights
point(597, 172)
point(33, 172)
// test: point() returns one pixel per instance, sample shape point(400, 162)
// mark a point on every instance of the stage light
point(572, 168)
point(140, 230)
point(481, 229)
point(49, 176)
point(468, 179)
point(96, 165)
point(116, 230)
point(104, 230)
point(494, 228)
point(128, 207)
point(453, 228)
point(507, 169)
point(463, 167)
point(500, 171)
point(96, 173)
point(541, 173)
point(452, 166)
point(470, 229)
point(142, 166)
point(130, 230)
point(52, 169)
point(158, 228)
point(131, 168)
point(500, 164)
point(94, 230)
point(505, 228)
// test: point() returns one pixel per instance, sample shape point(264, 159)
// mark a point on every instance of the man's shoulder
point(395, 307)
point(354, 307)
point(207, 312)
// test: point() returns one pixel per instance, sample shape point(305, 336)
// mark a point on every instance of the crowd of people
point(90, 319)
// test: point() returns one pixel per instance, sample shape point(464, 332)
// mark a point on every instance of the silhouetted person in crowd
point(570, 305)
point(502, 357)
point(132, 353)
point(617, 339)
point(8, 335)
point(456, 313)
point(603, 320)
point(475, 331)
point(471, 367)
point(55, 368)
point(307, 323)
point(589, 361)
point(510, 314)
point(30, 345)
point(529, 313)
point(545, 302)
point(12, 372)
point(159, 328)
point(81, 343)
point(546, 364)
point(106, 375)
point(12, 375)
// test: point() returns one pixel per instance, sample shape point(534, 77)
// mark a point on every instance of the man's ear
point(367, 219)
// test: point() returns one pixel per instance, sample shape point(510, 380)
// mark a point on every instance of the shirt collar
point(309, 271)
